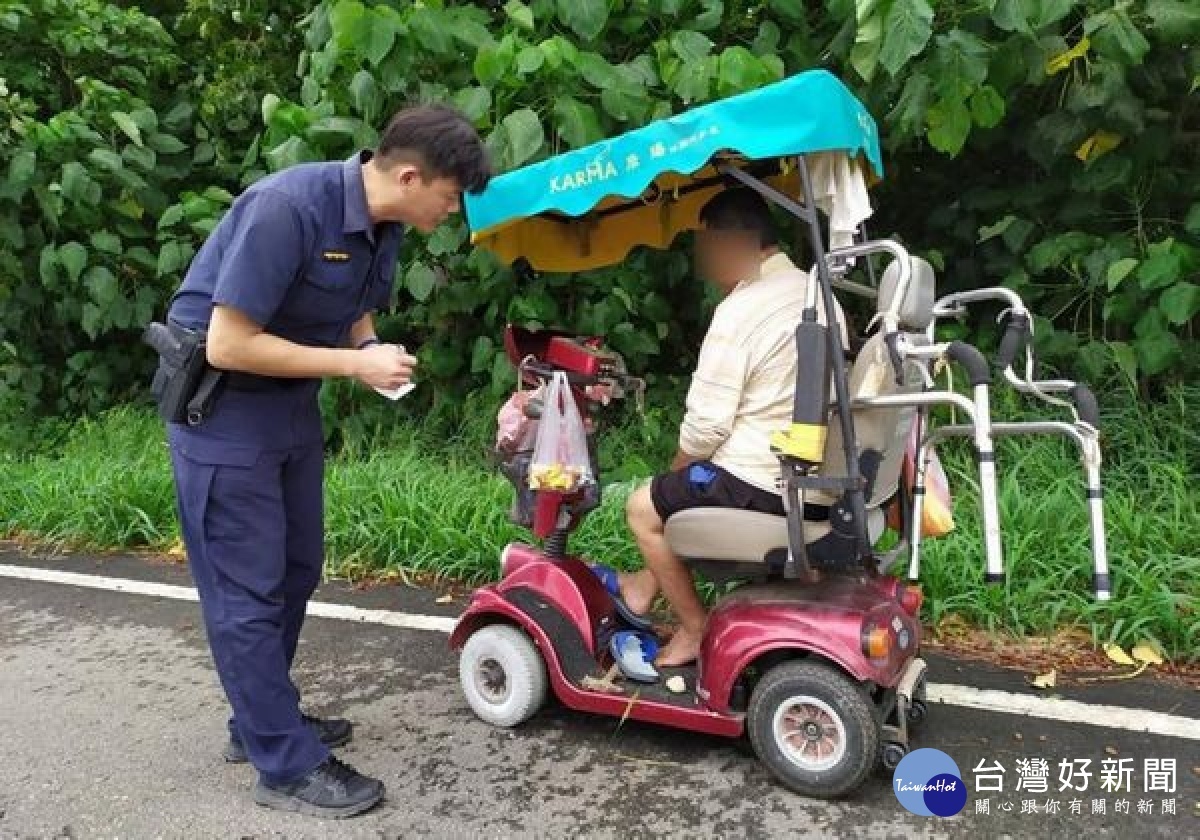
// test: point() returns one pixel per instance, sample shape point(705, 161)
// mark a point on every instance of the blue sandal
point(608, 577)
point(634, 654)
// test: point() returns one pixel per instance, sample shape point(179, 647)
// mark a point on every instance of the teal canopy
point(810, 112)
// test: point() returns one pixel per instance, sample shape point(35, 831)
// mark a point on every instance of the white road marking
point(990, 700)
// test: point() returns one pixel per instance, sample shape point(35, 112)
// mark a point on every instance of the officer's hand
point(385, 366)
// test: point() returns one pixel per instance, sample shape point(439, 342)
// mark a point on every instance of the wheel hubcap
point(491, 681)
point(810, 733)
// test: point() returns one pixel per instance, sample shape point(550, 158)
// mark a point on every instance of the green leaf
point(365, 94)
point(1192, 223)
point(481, 354)
point(520, 14)
point(350, 25)
point(490, 66)
point(907, 29)
point(73, 258)
point(171, 216)
point(1180, 303)
point(694, 81)
point(380, 40)
point(525, 135)
point(170, 259)
point(992, 231)
point(166, 144)
point(949, 124)
point(739, 70)
point(586, 17)
point(474, 102)
point(1118, 271)
point(75, 181)
point(46, 263)
point(691, 46)
point(578, 123)
point(22, 167)
point(102, 285)
point(1175, 20)
point(106, 158)
point(420, 281)
point(908, 117)
point(1157, 351)
point(1126, 360)
point(89, 320)
point(529, 60)
point(1014, 15)
point(868, 43)
point(1162, 268)
point(1115, 34)
point(1049, 11)
point(127, 125)
point(961, 60)
point(987, 107)
point(107, 242)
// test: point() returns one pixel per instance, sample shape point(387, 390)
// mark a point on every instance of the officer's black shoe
point(333, 732)
point(334, 790)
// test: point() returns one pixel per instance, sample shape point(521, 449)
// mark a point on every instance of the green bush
point(1045, 144)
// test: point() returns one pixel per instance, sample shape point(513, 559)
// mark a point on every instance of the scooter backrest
point(915, 311)
point(882, 433)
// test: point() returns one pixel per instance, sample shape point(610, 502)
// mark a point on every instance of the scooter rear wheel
point(502, 675)
point(814, 728)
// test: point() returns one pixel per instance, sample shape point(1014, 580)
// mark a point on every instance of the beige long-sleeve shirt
point(745, 381)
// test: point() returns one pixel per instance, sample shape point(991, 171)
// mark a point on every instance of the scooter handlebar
point(1015, 334)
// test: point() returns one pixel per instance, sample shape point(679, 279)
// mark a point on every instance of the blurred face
point(420, 203)
point(726, 257)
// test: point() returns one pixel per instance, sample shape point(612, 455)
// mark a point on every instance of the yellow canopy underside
point(596, 240)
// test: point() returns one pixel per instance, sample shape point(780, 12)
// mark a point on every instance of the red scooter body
point(564, 607)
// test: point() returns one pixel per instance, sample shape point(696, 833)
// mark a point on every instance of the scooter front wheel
point(502, 675)
point(814, 728)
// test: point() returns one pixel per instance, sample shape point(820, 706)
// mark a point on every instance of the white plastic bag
point(560, 455)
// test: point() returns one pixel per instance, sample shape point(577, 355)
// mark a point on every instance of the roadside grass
point(414, 500)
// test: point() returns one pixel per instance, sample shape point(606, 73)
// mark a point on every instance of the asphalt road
point(111, 725)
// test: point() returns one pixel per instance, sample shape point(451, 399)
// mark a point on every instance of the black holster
point(185, 386)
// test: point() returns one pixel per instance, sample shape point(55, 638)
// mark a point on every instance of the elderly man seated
point(742, 391)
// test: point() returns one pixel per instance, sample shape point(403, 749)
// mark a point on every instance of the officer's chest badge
point(335, 256)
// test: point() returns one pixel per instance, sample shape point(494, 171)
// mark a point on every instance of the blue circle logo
point(928, 783)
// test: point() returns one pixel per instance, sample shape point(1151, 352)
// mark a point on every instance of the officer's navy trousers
point(249, 493)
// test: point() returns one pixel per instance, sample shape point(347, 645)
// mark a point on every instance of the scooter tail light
point(877, 643)
point(911, 597)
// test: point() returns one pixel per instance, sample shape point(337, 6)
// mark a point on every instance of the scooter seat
point(742, 536)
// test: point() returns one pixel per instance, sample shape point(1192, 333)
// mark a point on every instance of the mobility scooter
point(814, 654)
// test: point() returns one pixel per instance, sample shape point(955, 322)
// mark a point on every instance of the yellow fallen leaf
point(445, 599)
point(1146, 652)
point(1100, 143)
point(1117, 654)
point(1060, 62)
point(1045, 680)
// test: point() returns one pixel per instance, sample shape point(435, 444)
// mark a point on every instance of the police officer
point(285, 287)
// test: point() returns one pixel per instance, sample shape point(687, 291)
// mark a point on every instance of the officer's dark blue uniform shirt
point(297, 254)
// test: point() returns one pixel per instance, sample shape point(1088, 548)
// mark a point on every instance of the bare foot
point(638, 590)
point(683, 649)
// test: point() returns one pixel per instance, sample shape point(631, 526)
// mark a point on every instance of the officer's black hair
point(743, 209)
point(441, 141)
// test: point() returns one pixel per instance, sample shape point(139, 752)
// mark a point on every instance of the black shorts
point(704, 484)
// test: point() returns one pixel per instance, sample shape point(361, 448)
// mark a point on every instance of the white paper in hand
point(397, 393)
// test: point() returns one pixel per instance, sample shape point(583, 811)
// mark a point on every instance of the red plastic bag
point(515, 429)
point(560, 456)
